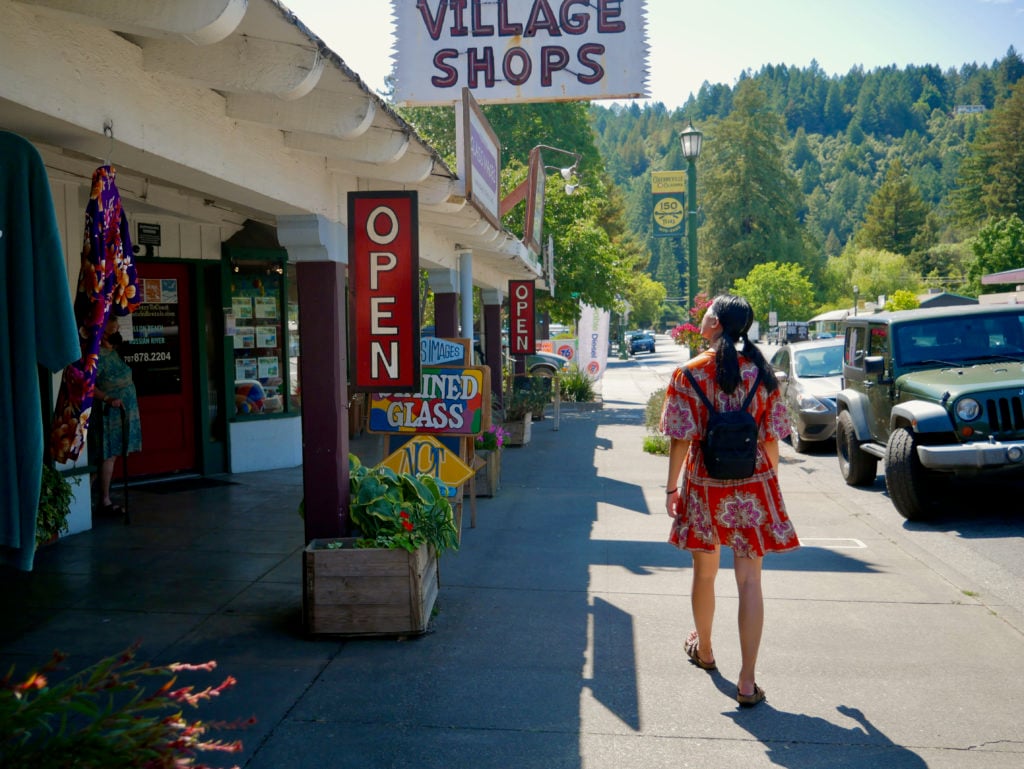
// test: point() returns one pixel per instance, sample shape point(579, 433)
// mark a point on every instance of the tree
point(902, 300)
point(874, 272)
point(896, 215)
point(667, 272)
point(998, 247)
point(645, 297)
point(783, 288)
point(750, 198)
point(991, 182)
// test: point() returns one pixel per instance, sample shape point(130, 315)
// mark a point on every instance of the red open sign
point(521, 322)
point(383, 248)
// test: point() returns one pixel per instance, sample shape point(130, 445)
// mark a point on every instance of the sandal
point(115, 511)
point(750, 700)
point(692, 651)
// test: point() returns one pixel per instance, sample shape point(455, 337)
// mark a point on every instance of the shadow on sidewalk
point(799, 741)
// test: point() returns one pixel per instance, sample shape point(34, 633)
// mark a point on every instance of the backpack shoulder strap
point(753, 390)
point(700, 392)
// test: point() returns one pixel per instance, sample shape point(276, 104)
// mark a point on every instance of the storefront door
point(161, 355)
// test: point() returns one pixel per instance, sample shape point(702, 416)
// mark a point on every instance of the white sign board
point(519, 50)
point(593, 330)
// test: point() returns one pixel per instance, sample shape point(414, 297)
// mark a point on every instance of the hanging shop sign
point(519, 50)
point(479, 158)
point(522, 340)
point(669, 210)
point(424, 454)
point(383, 247)
point(451, 400)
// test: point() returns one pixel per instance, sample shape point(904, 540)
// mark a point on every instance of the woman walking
point(746, 514)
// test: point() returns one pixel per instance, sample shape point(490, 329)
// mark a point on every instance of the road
point(976, 544)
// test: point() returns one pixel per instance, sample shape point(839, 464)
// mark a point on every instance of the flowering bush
point(492, 438)
point(688, 334)
point(103, 717)
point(399, 509)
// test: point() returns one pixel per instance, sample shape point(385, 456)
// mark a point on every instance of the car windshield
point(818, 362)
point(960, 339)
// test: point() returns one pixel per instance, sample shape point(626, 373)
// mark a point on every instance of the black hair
point(735, 317)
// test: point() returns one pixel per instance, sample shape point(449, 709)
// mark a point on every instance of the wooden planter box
point(519, 431)
point(372, 591)
point(488, 477)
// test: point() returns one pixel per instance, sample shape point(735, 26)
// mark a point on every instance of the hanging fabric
point(37, 326)
point(107, 283)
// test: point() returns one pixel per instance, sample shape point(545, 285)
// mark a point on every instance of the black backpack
point(730, 446)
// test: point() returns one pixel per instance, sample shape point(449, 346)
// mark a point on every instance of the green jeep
point(933, 393)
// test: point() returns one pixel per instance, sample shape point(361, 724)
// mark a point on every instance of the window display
point(259, 348)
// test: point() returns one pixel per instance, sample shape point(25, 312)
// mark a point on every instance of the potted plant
point(384, 580)
point(55, 496)
point(529, 395)
point(487, 447)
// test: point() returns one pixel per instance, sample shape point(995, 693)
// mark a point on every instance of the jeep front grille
point(1005, 415)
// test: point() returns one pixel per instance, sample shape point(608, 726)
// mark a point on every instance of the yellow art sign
point(424, 454)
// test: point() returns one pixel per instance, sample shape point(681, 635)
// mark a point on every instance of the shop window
point(261, 326)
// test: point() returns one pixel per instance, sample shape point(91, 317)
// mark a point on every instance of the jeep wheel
point(911, 486)
point(857, 467)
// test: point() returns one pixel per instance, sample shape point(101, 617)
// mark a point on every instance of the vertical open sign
point(383, 247)
point(521, 325)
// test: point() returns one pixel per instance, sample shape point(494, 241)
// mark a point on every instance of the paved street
point(558, 638)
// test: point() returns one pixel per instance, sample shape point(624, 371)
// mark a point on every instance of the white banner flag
point(593, 347)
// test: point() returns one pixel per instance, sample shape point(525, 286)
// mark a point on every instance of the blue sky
point(715, 40)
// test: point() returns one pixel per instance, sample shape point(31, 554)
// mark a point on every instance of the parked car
point(546, 364)
point(810, 378)
point(639, 341)
point(933, 393)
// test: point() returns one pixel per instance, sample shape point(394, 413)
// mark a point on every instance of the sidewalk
point(558, 638)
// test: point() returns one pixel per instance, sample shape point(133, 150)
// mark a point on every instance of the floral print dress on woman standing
point(748, 514)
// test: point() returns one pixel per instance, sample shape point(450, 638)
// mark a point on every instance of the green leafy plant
point(655, 443)
point(403, 510)
point(576, 385)
point(103, 717)
point(529, 395)
point(55, 495)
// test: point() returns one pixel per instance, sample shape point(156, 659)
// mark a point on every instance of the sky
point(692, 41)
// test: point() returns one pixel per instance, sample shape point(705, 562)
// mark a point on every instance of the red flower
point(406, 523)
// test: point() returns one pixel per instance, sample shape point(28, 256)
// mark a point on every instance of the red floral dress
point(749, 514)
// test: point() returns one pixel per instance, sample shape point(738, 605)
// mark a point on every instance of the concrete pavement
point(558, 637)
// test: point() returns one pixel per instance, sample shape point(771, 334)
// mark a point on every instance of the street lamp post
point(691, 140)
point(856, 298)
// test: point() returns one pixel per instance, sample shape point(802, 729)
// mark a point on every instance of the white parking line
point(834, 543)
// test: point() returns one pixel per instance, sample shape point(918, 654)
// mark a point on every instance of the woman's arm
point(771, 448)
point(678, 449)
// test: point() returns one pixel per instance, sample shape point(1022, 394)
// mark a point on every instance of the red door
point(161, 356)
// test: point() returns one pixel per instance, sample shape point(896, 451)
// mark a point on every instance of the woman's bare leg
point(751, 619)
point(702, 600)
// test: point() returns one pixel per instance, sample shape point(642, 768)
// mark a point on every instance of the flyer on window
point(246, 368)
point(245, 339)
point(266, 336)
point(269, 368)
point(241, 306)
point(266, 306)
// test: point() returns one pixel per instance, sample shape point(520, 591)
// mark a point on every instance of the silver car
point(809, 375)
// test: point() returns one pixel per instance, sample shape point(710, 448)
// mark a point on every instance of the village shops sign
point(519, 50)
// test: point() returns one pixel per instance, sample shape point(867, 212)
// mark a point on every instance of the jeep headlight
point(810, 403)
point(968, 409)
